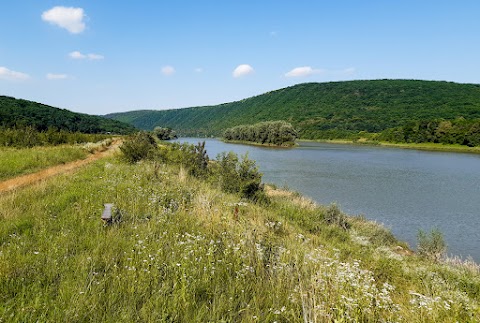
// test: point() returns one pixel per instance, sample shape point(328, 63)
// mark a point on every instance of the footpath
point(25, 180)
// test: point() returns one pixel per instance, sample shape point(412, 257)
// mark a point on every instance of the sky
point(100, 57)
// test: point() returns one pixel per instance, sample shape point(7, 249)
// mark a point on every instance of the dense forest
point(327, 110)
point(22, 113)
point(277, 133)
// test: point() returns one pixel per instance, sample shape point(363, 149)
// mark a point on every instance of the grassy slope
point(27, 113)
point(178, 254)
point(369, 106)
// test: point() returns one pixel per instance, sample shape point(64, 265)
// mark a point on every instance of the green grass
point(17, 162)
point(176, 253)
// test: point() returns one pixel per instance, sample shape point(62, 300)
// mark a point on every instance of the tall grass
point(16, 162)
point(181, 250)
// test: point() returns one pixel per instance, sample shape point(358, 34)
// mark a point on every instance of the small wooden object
point(107, 213)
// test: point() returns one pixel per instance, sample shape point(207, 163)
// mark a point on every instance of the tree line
point(458, 131)
point(278, 133)
point(21, 137)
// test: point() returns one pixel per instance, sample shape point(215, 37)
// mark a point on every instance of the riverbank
point(414, 146)
point(181, 249)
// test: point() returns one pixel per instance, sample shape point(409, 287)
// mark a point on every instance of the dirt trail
point(24, 180)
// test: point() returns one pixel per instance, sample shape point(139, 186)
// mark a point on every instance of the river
point(406, 190)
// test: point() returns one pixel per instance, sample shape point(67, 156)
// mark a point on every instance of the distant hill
point(330, 109)
point(18, 112)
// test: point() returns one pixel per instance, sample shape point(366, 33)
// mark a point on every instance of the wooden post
point(107, 213)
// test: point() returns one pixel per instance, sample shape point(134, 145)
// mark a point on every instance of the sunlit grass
point(179, 252)
point(15, 162)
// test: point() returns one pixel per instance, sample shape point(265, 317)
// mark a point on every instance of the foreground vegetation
point(396, 110)
point(184, 246)
point(273, 133)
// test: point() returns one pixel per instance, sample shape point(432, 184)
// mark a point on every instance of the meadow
point(21, 161)
point(182, 249)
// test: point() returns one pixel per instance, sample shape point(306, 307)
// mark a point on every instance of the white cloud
point(198, 70)
point(92, 57)
point(168, 70)
point(242, 70)
point(68, 18)
point(9, 75)
point(95, 57)
point(54, 77)
point(77, 55)
point(303, 71)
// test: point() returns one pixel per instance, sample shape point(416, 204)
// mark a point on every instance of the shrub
point(239, 176)
point(334, 216)
point(432, 245)
point(138, 147)
point(164, 133)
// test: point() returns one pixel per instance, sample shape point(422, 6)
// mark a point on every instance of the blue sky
point(99, 57)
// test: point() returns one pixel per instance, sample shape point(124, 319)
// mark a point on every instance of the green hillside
point(21, 113)
point(326, 110)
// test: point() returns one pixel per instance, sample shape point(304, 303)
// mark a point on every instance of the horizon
point(94, 58)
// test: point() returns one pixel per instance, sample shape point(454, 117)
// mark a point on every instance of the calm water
point(406, 190)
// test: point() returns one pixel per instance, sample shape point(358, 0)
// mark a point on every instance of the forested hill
point(22, 113)
point(316, 109)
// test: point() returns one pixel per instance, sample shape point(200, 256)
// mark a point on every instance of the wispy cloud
point(91, 57)
point(68, 18)
point(198, 70)
point(242, 70)
point(305, 71)
point(56, 77)
point(168, 70)
point(9, 75)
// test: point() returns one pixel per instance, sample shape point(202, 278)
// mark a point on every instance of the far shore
point(416, 146)
point(364, 142)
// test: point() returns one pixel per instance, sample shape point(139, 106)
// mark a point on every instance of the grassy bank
point(181, 250)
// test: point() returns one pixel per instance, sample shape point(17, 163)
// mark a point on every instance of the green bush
point(334, 216)
point(239, 176)
point(164, 133)
point(140, 146)
point(432, 245)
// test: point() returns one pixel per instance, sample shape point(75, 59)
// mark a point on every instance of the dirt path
point(24, 180)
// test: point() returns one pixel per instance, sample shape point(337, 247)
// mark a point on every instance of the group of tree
point(22, 113)
point(24, 137)
point(277, 133)
point(458, 131)
point(326, 110)
point(164, 133)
